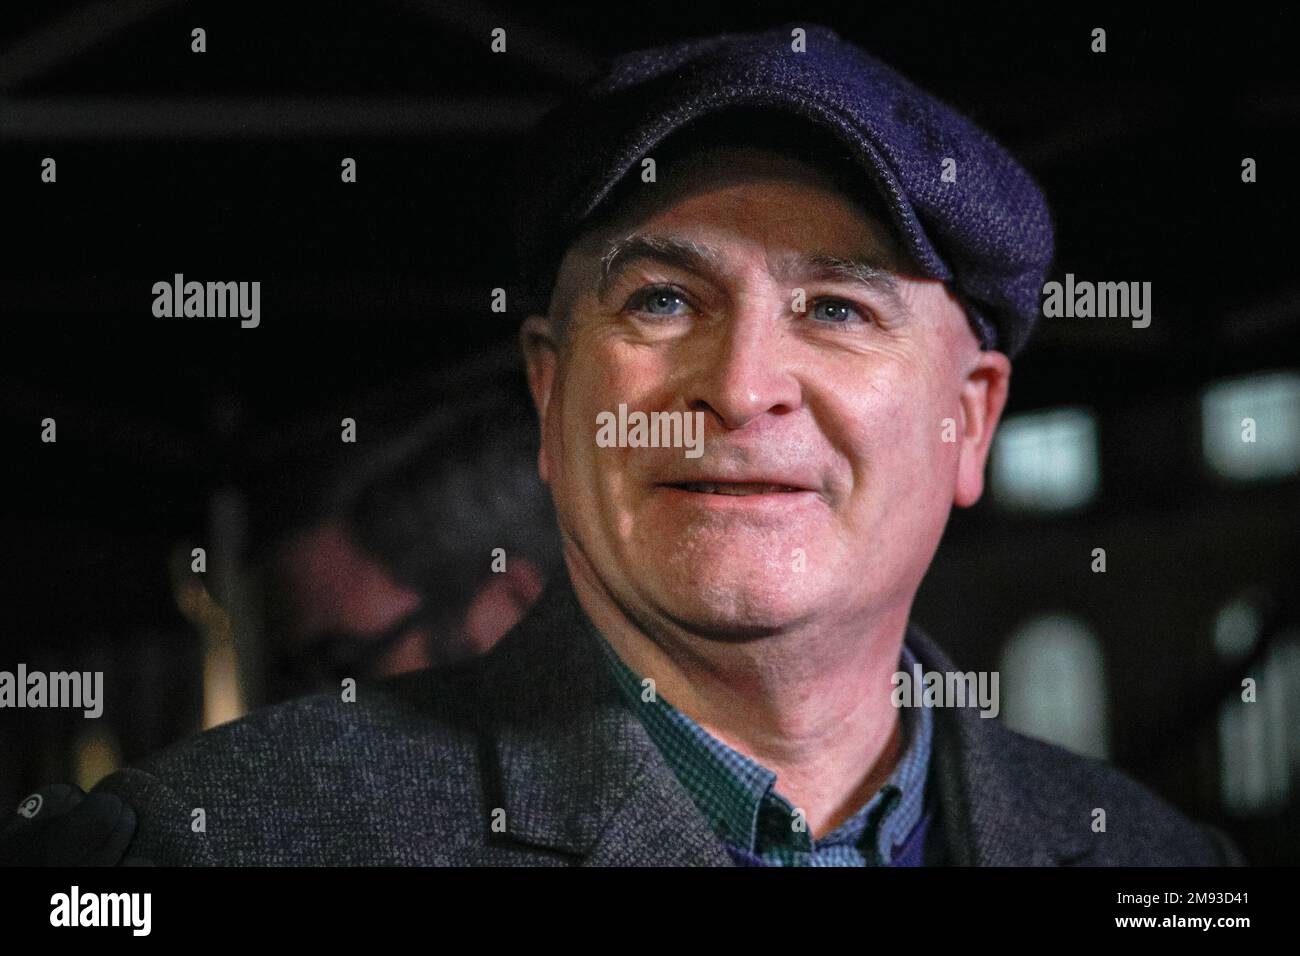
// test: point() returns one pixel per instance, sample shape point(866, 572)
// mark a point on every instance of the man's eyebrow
point(667, 250)
point(826, 267)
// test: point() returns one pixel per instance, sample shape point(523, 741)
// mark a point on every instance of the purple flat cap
point(988, 234)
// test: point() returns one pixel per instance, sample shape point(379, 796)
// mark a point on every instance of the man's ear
point(541, 357)
point(983, 396)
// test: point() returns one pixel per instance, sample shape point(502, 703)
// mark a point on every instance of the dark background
point(225, 165)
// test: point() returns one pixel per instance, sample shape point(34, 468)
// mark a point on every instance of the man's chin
point(733, 603)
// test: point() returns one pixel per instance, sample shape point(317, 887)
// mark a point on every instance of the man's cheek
point(901, 445)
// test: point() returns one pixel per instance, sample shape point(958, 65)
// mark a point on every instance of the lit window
point(1053, 685)
point(1251, 426)
point(1236, 629)
point(1259, 740)
point(1046, 461)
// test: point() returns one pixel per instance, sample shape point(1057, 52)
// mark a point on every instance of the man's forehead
point(786, 263)
point(752, 182)
point(854, 243)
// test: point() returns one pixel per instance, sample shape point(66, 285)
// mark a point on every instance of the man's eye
point(658, 300)
point(834, 311)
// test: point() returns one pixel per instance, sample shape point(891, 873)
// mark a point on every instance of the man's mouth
point(733, 488)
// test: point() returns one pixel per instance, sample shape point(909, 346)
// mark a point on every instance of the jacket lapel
point(990, 815)
point(576, 772)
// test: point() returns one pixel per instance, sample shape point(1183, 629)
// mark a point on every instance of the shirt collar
point(737, 795)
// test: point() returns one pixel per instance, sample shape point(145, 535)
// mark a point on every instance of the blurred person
point(425, 563)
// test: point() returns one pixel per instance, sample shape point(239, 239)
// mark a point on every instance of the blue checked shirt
point(760, 827)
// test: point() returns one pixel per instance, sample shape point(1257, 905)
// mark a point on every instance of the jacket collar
point(990, 815)
point(577, 774)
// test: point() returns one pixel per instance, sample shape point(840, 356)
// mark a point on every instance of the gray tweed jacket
point(529, 756)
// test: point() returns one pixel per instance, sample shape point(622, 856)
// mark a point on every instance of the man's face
point(330, 597)
point(836, 439)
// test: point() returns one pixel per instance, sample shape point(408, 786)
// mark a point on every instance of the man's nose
point(745, 372)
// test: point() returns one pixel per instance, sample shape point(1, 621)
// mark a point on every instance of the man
point(386, 574)
point(796, 277)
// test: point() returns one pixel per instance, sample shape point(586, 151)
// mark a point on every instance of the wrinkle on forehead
point(721, 168)
point(712, 168)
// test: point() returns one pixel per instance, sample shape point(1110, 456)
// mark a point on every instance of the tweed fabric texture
point(530, 755)
point(738, 795)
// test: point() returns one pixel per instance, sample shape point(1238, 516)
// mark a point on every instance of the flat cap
point(983, 228)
